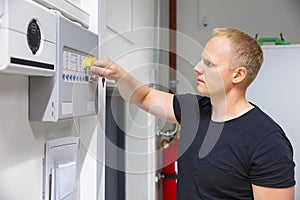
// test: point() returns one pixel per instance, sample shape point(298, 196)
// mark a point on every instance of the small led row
point(72, 77)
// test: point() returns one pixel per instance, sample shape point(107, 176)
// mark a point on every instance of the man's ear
point(239, 74)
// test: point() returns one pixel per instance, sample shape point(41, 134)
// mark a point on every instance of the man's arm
point(153, 101)
point(265, 193)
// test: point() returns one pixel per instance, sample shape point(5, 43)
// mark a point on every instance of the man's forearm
point(131, 89)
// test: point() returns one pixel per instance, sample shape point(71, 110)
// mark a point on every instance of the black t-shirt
point(222, 160)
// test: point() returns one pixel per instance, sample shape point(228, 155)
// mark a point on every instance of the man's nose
point(199, 67)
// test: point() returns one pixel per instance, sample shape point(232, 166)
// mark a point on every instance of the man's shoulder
point(263, 120)
point(190, 99)
point(263, 128)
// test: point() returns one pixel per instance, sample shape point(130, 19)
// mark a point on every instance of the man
point(236, 150)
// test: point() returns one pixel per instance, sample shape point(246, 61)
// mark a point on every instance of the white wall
point(22, 141)
point(127, 43)
point(267, 18)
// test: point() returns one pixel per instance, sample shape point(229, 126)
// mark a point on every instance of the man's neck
point(229, 107)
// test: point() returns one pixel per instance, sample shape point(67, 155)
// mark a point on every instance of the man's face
point(213, 71)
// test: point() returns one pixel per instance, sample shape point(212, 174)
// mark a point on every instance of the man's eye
point(208, 63)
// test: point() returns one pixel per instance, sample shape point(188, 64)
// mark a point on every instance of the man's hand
point(107, 68)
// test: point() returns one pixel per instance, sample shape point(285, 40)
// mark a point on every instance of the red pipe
point(172, 42)
point(169, 182)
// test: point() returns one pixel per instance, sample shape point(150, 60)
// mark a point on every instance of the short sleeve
point(272, 163)
point(176, 108)
point(187, 105)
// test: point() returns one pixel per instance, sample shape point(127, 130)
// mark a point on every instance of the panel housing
point(28, 38)
point(72, 92)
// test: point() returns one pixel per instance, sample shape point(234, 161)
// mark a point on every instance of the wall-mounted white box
point(27, 38)
point(71, 92)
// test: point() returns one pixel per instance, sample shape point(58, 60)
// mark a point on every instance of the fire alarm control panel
point(72, 91)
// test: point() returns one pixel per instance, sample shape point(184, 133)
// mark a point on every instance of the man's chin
point(204, 94)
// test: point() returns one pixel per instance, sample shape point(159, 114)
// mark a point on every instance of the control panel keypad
point(74, 67)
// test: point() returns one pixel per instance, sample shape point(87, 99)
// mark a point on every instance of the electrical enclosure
point(28, 38)
point(72, 91)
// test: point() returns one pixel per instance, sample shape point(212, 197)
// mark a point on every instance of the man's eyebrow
point(209, 60)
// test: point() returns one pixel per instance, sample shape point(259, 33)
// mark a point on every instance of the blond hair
point(246, 50)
